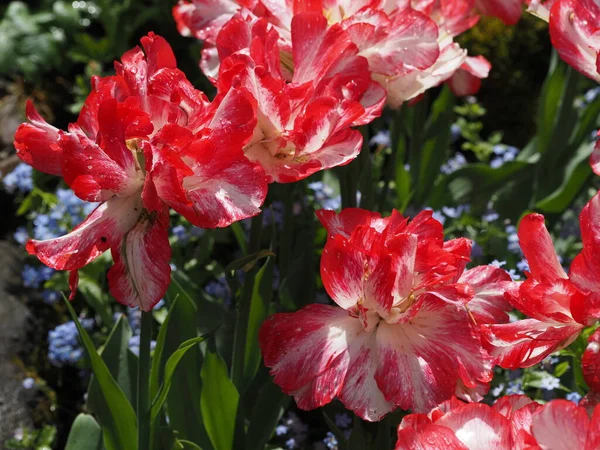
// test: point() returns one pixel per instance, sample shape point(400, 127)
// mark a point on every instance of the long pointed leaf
point(219, 402)
point(119, 426)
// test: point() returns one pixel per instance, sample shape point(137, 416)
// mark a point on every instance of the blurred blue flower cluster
point(34, 277)
point(19, 180)
point(324, 196)
point(219, 288)
point(503, 154)
point(63, 344)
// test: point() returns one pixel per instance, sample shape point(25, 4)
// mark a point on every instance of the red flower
point(303, 126)
point(573, 30)
point(558, 306)
point(513, 423)
point(394, 39)
point(509, 11)
point(145, 140)
point(402, 337)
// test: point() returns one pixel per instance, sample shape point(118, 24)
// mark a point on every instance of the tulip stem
point(143, 380)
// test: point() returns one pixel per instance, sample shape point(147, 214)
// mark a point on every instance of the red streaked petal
point(527, 342)
point(36, 143)
point(573, 31)
point(489, 284)
point(478, 426)
point(346, 221)
point(467, 79)
point(360, 392)
point(159, 54)
point(225, 186)
point(510, 404)
point(508, 11)
point(300, 346)
point(406, 41)
point(342, 271)
point(422, 360)
point(595, 156)
point(428, 437)
point(537, 246)
point(103, 229)
point(590, 362)
point(316, 47)
point(560, 425)
point(141, 273)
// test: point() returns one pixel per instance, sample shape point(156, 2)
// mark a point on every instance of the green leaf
point(122, 365)
point(170, 367)
point(434, 150)
point(85, 434)
point(561, 369)
point(183, 399)
point(96, 297)
point(357, 439)
point(117, 417)
point(259, 310)
point(219, 402)
point(266, 413)
point(576, 172)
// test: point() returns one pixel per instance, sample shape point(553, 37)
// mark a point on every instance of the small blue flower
point(280, 430)
point(30, 276)
point(291, 444)
point(455, 213)
point(343, 420)
point(497, 263)
point(219, 289)
point(381, 138)
point(21, 235)
point(50, 297)
point(523, 265)
point(573, 397)
point(549, 383)
point(63, 343)
point(453, 164)
point(180, 233)
point(134, 316)
point(513, 239)
point(330, 441)
point(324, 196)
point(514, 388)
point(454, 132)
point(20, 179)
point(490, 216)
point(498, 390)
point(134, 344)
point(28, 383)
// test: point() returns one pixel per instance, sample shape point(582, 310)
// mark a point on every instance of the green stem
point(367, 200)
point(143, 379)
point(243, 311)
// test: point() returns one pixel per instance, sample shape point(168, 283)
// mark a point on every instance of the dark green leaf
point(259, 310)
point(265, 415)
point(219, 402)
point(170, 367)
point(121, 363)
point(183, 400)
point(357, 439)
